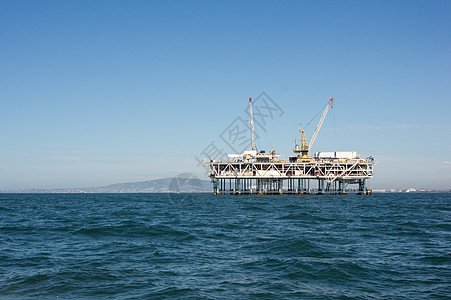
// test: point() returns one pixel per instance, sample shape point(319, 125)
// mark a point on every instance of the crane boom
point(320, 123)
point(306, 147)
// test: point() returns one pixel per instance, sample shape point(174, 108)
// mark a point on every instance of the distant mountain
point(182, 184)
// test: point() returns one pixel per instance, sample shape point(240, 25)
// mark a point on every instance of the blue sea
point(191, 246)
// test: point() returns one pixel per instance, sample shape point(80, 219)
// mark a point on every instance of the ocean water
point(145, 246)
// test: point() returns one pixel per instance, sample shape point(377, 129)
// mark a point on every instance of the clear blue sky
point(99, 92)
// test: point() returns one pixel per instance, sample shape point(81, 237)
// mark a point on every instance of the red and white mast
point(252, 124)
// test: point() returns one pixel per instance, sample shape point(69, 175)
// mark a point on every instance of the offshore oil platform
point(260, 173)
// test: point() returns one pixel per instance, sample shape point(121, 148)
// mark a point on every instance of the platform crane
point(305, 147)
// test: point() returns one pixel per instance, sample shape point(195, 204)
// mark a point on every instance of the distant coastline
point(162, 185)
point(172, 185)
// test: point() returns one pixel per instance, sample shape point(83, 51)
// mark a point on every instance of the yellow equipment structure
point(305, 147)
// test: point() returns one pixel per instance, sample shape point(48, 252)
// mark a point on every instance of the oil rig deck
point(279, 177)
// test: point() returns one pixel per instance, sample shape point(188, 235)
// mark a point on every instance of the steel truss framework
point(332, 176)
